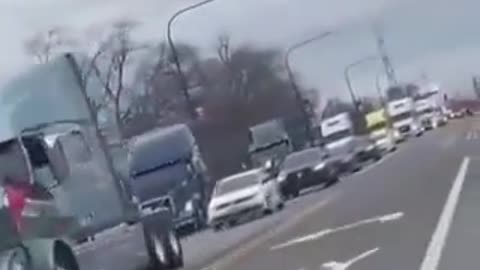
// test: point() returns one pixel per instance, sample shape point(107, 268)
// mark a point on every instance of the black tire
point(174, 251)
point(16, 258)
point(217, 227)
point(296, 193)
point(157, 251)
point(64, 259)
point(269, 209)
point(201, 219)
point(334, 180)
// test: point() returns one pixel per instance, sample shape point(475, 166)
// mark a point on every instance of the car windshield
point(302, 158)
point(236, 183)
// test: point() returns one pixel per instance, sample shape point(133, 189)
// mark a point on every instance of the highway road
point(415, 209)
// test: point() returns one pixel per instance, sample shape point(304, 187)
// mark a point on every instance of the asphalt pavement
point(415, 209)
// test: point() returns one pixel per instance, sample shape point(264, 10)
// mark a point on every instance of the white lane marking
point(276, 229)
point(328, 231)
point(437, 242)
point(333, 265)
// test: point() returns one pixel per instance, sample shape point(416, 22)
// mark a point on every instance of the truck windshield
point(162, 166)
point(427, 110)
point(338, 135)
point(378, 126)
point(402, 116)
point(265, 134)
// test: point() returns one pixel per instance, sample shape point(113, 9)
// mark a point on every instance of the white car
point(242, 196)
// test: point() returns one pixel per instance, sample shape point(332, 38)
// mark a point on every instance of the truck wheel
point(64, 259)
point(52, 254)
point(17, 258)
point(157, 251)
point(174, 251)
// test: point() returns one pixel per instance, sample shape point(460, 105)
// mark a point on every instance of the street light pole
point(293, 83)
point(346, 74)
point(379, 89)
point(181, 76)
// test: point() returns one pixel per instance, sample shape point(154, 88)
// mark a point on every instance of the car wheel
point(218, 227)
point(334, 179)
point(200, 222)
point(268, 206)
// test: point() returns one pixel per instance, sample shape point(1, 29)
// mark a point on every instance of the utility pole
point(173, 49)
point(302, 103)
point(346, 74)
point(387, 64)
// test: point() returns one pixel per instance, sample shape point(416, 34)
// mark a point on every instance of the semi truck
point(63, 205)
point(167, 162)
point(425, 111)
point(380, 131)
point(403, 117)
point(268, 141)
point(346, 143)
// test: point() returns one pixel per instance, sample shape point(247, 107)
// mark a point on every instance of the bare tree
point(44, 45)
point(112, 65)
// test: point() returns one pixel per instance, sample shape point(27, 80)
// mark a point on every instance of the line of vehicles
point(72, 199)
point(279, 172)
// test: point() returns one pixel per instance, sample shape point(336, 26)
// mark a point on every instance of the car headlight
point(370, 147)
point(319, 166)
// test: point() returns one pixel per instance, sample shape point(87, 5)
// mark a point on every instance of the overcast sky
point(440, 38)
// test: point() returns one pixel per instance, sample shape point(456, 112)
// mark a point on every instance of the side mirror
point(58, 162)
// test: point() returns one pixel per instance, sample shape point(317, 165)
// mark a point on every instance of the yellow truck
point(380, 131)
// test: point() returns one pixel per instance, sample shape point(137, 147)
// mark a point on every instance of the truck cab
point(343, 143)
point(268, 141)
point(63, 204)
point(403, 116)
point(379, 130)
point(167, 162)
point(425, 110)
